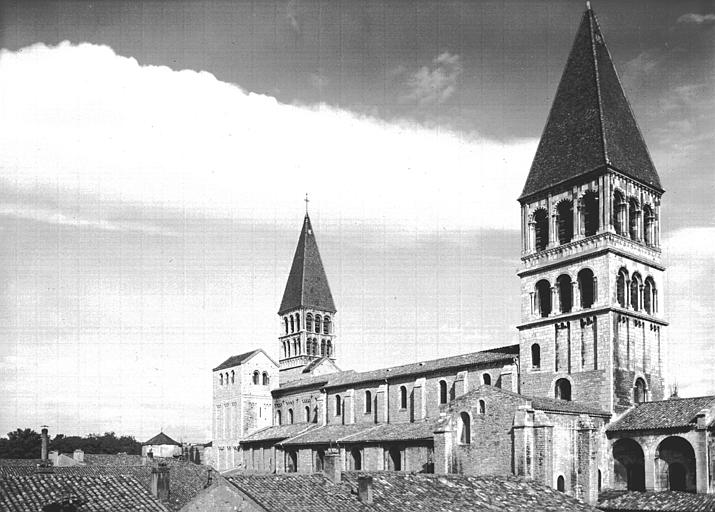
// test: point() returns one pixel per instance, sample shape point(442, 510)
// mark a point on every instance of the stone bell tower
point(591, 278)
point(307, 311)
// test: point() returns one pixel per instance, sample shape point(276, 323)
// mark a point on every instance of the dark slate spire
point(307, 285)
point(591, 123)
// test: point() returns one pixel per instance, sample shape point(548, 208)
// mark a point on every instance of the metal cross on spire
point(306, 202)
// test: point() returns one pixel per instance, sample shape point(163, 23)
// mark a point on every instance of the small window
point(220, 378)
point(285, 319)
point(442, 392)
point(297, 321)
point(322, 347)
point(329, 348)
point(292, 324)
point(482, 407)
point(338, 405)
point(535, 356)
point(639, 391)
point(233, 376)
point(318, 319)
point(309, 323)
point(487, 379)
point(621, 287)
point(465, 428)
point(636, 292)
point(326, 325)
point(561, 484)
point(562, 389)
point(279, 420)
point(368, 402)
point(403, 397)
point(307, 414)
point(266, 379)
point(290, 416)
point(256, 377)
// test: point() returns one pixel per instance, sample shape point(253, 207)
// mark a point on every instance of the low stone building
point(161, 445)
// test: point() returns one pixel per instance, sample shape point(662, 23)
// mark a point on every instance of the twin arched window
point(635, 292)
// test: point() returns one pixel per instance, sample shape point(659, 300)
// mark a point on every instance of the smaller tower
point(307, 311)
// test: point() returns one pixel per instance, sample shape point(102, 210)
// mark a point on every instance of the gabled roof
point(591, 123)
point(349, 377)
point(96, 493)
point(307, 285)
point(161, 438)
point(241, 358)
point(671, 413)
point(398, 491)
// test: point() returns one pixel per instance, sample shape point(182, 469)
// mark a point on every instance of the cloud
point(83, 120)
point(696, 19)
point(436, 83)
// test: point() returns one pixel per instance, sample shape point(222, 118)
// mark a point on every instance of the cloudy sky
point(154, 157)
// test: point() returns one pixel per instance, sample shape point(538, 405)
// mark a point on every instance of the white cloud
point(83, 119)
point(436, 83)
point(696, 19)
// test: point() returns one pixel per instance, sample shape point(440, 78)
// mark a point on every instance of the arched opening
point(586, 287)
point(292, 324)
point(322, 347)
point(482, 407)
point(675, 467)
point(535, 356)
point(233, 377)
point(368, 402)
point(562, 389)
point(279, 419)
point(307, 414)
point(442, 392)
point(563, 285)
point(561, 484)
point(266, 379)
point(256, 377)
point(297, 321)
point(619, 212)
point(291, 461)
point(634, 218)
point(649, 295)
point(318, 320)
point(541, 228)
point(487, 379)
point(590, 213)
point(329, 348)
point(639, 391)
point(636, 292)
point(356, 459)
point(220, 379)
point(649, 225)
point(465, 428)
point(290, 416)
point(326, 325)
point(309, 322)
point(338, 405)
point(543, 297)
point(564, 219)
point(285, 319)
point(319, 460)
point(621, 287)
point(395, 459)
point(600, 481)
point(628, 465)
point(403, 397)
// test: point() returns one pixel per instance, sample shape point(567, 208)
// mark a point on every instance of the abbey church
point(578, 404)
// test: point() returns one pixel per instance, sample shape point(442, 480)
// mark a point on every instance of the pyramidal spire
point(307, 285)
point(591, 124)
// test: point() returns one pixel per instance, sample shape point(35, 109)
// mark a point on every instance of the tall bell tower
point(592, 319)
point(307, 311)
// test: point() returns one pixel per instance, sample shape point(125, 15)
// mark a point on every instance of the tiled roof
point(394, 432)
point(185, 478)
point(672, 413)
point(97, 493)
point(307, 285)
point(161, 438)
point(278, 432)
point(552, 404)
point(398, 491)
point(234, 360)
point(339, 379)
point(591, 123)
point(327, 434)
point(666, 501)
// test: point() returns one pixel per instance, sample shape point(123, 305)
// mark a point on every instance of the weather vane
point(306, 202)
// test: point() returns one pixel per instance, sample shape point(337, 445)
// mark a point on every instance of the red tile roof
point(663, 414)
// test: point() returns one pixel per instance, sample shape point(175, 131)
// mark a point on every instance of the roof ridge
point(596, 75)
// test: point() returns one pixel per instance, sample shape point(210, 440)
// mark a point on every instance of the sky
point(154, 158)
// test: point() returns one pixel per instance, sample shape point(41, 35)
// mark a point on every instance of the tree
point(21, 444)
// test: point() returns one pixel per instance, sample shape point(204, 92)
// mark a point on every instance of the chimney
point(78, 455)
point(44, 443)
point(331, 465)
point(160, 481)
point(365, 489)
point(54, 457)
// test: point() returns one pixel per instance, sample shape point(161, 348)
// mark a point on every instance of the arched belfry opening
point(589, 210)
point(634, 219)
point(543, 298)
point(648, 225)
point(564, 219)
point(541, 229)
point(619, 212)
point(587, 287)
point(565, 289)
